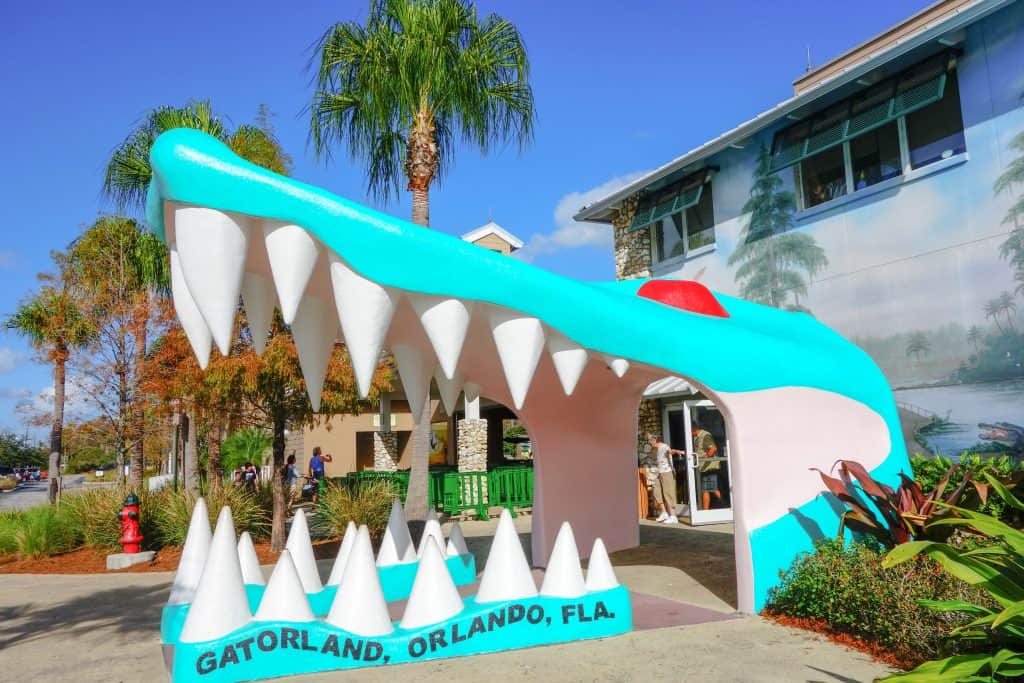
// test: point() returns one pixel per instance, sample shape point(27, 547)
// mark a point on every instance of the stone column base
point(385, 451)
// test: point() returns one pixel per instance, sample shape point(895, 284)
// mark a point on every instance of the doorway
point(703, 476)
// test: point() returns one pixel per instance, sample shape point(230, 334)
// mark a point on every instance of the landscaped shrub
point(171, 512)
point(8, 483)
point(929, 471)
point(37, 532)
point(94, 513)
point(369, 504)
point(848, 589)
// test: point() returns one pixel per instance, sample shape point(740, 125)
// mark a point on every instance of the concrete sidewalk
point(86, 628)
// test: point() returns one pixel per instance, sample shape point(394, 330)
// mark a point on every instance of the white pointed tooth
point(433, 597)
point(618, 365)
point(213, 246)
point(343, 554)
point(193, 556)
point(301, 548)
point(220, 605)
point(569, 360)
point(507, 574)
point(600, 575)
point(415, 371)
point(252, 574)
point(445, 321)
point(449, 389)
point(456, 541)
point(359, 605)
point(365, 310)
point(563, 577)
point(258, 299)
point(293, 253)
point(285, 599)
point(520, 341)
point(196, 330)
point(431, 515)
point(431, 531)
point(395, 545)
point(314, 331)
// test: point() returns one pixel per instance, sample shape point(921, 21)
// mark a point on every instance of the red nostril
point(683, 294)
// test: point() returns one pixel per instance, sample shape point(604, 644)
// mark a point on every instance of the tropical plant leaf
point(949, 670)
point(954, 606)
point(1003, 492)
point(905, 551)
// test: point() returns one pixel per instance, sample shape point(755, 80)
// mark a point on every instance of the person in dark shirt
point(316, 469)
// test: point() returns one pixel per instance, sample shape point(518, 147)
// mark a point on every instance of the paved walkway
point(33, 493)
point(105, 628)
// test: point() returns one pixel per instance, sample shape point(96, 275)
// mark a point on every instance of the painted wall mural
point(924, 272)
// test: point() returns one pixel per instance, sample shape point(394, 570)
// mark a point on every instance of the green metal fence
point(455, 492)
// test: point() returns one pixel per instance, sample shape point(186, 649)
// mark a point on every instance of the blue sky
point(620, 88)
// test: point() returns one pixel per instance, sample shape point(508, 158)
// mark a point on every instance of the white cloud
point(76, 402)
point(14, 393)
point(570, 234)
point(9, 359)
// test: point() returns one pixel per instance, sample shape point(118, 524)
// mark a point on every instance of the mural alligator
point(1003, 433)
point(573, 358)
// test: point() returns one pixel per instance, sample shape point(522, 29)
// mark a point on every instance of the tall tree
point(1012, 249)
point(1008, 307)
point(992, 310)
point(975, 335)
point(55, 325)
point(918, 345)
point(774, 261)
point(398, 91)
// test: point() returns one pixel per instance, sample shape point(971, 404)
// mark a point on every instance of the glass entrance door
point(708, 477)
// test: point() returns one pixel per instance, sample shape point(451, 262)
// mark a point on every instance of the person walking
point(316, 469)
point(291, 476)
point(665, 485)
point(710, 467)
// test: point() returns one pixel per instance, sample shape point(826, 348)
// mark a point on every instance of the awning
point(668, 386)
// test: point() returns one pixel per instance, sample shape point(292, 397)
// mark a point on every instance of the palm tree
point(126, 182)
point(397, 93)
point(975, 335)
point(1008, 307)
point(54, 325)
point(1013, 248)
point(918, 345)
point(773, 260)
point(992, 311)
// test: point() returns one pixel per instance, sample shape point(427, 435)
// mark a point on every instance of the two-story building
point(886, 198)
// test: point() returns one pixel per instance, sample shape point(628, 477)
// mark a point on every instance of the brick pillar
point(472, 445)
point(632, 249)
point(385, 451)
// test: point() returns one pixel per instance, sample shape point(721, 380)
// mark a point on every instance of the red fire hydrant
point(131, 535)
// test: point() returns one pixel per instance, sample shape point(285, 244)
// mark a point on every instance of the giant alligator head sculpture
point(573, 358)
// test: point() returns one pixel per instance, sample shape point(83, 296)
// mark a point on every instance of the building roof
point(492, 228)
point(928, 26)
point(668, 386)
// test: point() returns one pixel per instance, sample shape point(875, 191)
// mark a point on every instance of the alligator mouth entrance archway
point(572, 358)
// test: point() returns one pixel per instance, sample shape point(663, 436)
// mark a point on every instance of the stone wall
point(648, 422)
point(632, 249)
point(295, 444)
point(472, 445)
point(385, 451)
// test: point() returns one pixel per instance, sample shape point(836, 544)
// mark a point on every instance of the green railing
point(454, 492)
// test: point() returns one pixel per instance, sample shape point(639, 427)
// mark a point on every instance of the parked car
point(35, 474)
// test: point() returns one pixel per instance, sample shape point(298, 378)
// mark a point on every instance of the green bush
point(848, 588)
point(8, 483)
point(37, 532)
point(928, 472)
point(171, 511)
point(94, 513)
point(369, 504)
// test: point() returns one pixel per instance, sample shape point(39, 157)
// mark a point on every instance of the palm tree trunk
point(277, 536)
point(421, 207)
point(216, 473)
point(416, 500)
point(57, 428)
point(137, 466)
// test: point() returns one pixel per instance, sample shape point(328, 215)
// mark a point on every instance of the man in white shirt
point(665, 485)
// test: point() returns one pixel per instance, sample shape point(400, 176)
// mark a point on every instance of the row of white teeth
point(214, 569)
point(213, 258)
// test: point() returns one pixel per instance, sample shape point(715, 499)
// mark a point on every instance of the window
point(823, 177)
point(875, 156)
point(685, 231)
point(902, 123)
point(936, 132)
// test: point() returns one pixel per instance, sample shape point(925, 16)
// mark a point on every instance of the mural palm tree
point(1008, 307)
point(397, 93)
point(975, 335)
point(1013, 248)
point(55, 325)
point(992, 312)
point(774, 263)
point(918, 345)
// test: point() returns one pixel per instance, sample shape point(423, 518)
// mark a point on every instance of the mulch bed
point(821, 627)
point(93, 561)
